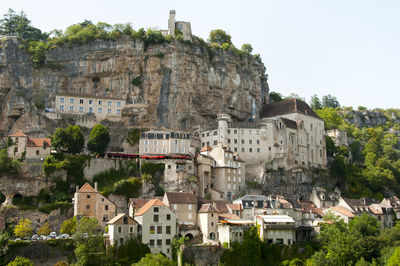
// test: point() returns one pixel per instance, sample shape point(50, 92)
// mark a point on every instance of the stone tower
point(223, 120)
point(171, 22)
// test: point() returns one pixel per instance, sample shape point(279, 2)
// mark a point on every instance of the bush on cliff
point(8, 165)
point(98, 139)
point(20, 261)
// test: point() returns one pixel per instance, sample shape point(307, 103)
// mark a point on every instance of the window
point(61, 107)
point(235, 131)
point(131, 229)
point(71, 108)
point(37, 152)
point(119, 229)
point(118, 111)
point(90, 101)
point(156, 209)
point(81, 101)
point(118, 103)
point(229, 140)
point(151, 242)
point(106, 208)
point(87, 207)
point(125, 220)
point(242, 141)
point(250, 141)
point(235, 141)
point(242, 149)
point(235, 149)
point(169, 166)
point(155, 218)
point(229, 131)
point(90, 109)
point(71, 100)
point(168, 217)
point(109, 103)
point(250, 150)
point(215, 132)
point(80, 109)
point(189, 216)
point(155, 142)
point(61, 100)
point(258, 141)
point(99, 110)
point(159, 229)
point(88, 196)
point(155, 150)
point(258, 149)
point(269, 148)
point(167, 241)
point(159, 242)
point(100, 102)
point(168, 229)
point(152, 229)
point(215, 142)
point(109, 111)
point(146, 149)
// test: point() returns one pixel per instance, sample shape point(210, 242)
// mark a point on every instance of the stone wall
point(202, 255)
point(97, 165)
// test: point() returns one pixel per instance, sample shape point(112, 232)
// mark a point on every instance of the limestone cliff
point(180, 84)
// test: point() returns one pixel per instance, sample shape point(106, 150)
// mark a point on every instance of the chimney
point(95, 186)
point(77, 188)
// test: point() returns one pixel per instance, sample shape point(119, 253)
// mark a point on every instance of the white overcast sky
point(347, 48)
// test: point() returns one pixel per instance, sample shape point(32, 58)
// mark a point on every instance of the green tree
point(364, 225)
point(154, 260)
point(275, 97)
point(45, 229)
point(14, 24)
point(69, 139)
point(247, 48)
point(89, 242)
point(23, 228)
point(332, 119)
point(220, 36)
point(132, 251)
point(329, 101)
point(68, 226)
point(394, 260)
point(315, 103)
point(20, 261)
point(8, 165)
point(98, 139)
point(130, 188)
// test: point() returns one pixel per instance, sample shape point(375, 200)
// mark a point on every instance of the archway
point(189, 235)
point(212, 236)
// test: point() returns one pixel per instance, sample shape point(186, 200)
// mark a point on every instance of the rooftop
point(38, 142)
point(277, 218)
point(181, 197)
point(287, 107)
point(18, 133)
point(148, 205)
point(87, 188)
point(120, 216)
point(207, 208)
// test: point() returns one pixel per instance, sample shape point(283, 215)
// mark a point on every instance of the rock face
point(181, 85)
point(368, 118)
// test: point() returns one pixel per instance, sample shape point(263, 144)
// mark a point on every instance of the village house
point(88, 202)
point(250, 204)
point(232, 230)
point(28, 147)
point(160, 142)
point(184, 205)
point(159, 226)
point(343, 213)
point(323, 198)
point(393, 202)
point(228, 171)
point(289, 134)
point(277, 229)
point(135, 204)
point(121, 228)
point(103, 107)
point(208, 222)
point(204, 167)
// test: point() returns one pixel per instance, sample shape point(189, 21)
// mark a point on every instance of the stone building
point(159, 142)
point(121, 228)
point(228, 171)
point(184, 205)
point(288, 134)
point(88, 202)
point(277, 229)
point(31, 148)
point(323, 198)
point(183, 26)
point(159, 226)
point(208, 222)
point(102, 107)
point(204, 166)
point(338, 136)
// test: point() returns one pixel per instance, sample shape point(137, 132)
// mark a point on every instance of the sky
point(347, 48)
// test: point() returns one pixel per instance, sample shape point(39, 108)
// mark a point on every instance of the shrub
point(137, 81)
point(68, 226)
point(45, 229)
point(247, 48)
point(20, 261)
point(37, 50)
point(219, 36)
point(98, 139)
point(225, 46)
point(23, 228)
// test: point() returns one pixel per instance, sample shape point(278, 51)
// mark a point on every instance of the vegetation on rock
point(23, 228)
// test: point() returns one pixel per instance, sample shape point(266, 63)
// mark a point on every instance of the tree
point(394, 260)
point(98, 139)
point(154, 260)
point(332, 119)
point(315, 103)
point(8, 165)
point(130, 188)
point(89, 242)
point(329, 101)
point(219, 36)
point(275, 97)
point(364, 225)
point(132, 251)
point(14, 24)
point(68, 226)
point(45, 229)
point(23, 228)
point(247, 48)
point(69, 139)
point(20, 261)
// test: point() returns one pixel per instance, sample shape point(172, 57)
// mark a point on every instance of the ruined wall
point(202, 255)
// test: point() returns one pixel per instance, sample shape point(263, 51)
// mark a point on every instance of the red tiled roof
point(223, 216)
point(87, 188)
point(137, 203)
point(38, 142)
point(206, 148)
point(207, 208)
point(287, 107)
point(235, 207)
point(19, 133)
point(148, 205)
point(221, 206)
point(181, 197)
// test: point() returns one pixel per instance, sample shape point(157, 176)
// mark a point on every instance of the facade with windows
point(27, 147)
point(121, 228)
point(277, 229)
point(88, 202)
point(289, 134)
point(164, 142)
point(101, 107)
point(159, 226)
point(184, 204)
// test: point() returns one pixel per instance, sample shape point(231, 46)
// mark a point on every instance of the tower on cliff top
point(183, 26)
point(171, 22)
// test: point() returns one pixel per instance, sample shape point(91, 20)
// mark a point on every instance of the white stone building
point(338, 136)
point(159, 226)
point(161, 142)
point(289, 134)
point(121, 228)
point(232, 230)
point(277, 229)
point(102, 107)
point(208, 222)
